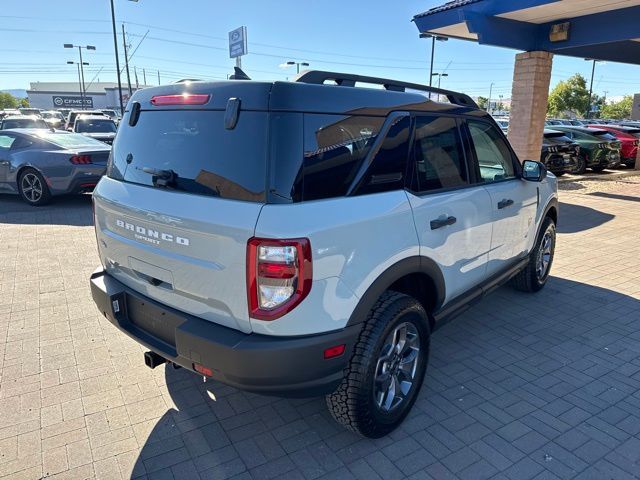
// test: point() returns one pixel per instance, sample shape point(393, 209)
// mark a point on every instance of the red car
point(630, 139)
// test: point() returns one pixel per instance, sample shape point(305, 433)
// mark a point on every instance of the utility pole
point(144, 77)
point(135, 74)
point(158, 77)
point(126, 59)
point(489, 101)
point(115, 47)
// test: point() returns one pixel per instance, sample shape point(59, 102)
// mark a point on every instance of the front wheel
point(534, 276)
point(384, 376)
point(581, 166)
point(33, 188)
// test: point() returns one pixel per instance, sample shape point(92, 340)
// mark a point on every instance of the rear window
point(191, 151)
point(95, 126)
point(604, 135)
point(71, 140)
point(24, 123)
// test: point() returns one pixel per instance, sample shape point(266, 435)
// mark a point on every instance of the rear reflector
point(333, 352)
point(206, 371)
point(184, 99)
point(80, 159)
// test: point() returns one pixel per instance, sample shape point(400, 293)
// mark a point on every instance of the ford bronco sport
point(305, 238)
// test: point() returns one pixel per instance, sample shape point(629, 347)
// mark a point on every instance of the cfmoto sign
point(62, 101)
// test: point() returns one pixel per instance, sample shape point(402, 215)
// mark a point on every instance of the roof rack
point(319, 77)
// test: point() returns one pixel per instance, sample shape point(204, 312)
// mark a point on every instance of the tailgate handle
point(232, 113)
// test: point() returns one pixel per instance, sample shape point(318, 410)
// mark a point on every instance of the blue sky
point(189, 39)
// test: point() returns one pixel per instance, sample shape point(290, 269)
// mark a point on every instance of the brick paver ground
point(521, 386)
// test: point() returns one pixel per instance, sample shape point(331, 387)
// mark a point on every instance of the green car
point(598, 148)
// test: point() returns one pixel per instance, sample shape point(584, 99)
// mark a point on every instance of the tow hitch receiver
point(152, 359)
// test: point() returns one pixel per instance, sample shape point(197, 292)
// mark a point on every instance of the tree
point(570, 95)
point(483, 102)
point(621, 109)
point(7, 101)
point(24, 103)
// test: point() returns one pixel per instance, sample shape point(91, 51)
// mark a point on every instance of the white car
point(301, 238)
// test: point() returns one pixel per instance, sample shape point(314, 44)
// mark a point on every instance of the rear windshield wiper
point(162, 178)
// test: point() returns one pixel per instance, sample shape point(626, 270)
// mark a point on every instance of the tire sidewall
point(415, 314)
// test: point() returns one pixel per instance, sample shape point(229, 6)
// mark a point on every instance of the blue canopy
point(595, 29)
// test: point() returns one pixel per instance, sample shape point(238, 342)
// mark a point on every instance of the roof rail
point(319, 77)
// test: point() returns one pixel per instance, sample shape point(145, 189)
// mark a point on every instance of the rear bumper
point(283, 366)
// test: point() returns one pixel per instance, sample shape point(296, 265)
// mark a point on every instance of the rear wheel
point(534, 276)
point(33, 188)
point(581, 166)
point(386, 371)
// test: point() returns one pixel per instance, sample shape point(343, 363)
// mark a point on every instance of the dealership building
point(50, 95)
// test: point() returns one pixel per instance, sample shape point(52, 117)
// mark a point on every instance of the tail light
point(279, 276)
point(80, 159)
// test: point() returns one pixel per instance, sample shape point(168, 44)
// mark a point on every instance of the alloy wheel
point(545, 254)
point(31, 187)
point(397, 366)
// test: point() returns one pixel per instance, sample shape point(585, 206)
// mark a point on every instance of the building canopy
point(594, 29)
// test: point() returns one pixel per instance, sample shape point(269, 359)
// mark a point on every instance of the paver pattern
point(522, 386)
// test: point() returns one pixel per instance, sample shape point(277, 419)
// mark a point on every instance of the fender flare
point(406, 266)
point(553, 203)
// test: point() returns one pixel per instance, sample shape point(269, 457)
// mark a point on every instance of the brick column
point(529, 95)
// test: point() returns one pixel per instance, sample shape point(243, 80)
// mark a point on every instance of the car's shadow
point(63, 210)
point(577, 218)
point(512, 358)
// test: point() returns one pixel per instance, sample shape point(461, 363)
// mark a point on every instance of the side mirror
point(533, 171)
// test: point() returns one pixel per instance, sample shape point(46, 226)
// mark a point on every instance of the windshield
point(56, 115)
point(194, 151)
point(95, 126)
point(72, 140)
point(24, 123)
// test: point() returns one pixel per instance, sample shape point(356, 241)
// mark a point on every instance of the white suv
point(300, 238)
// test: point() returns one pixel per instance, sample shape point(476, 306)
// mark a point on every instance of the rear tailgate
point(185, 251)
point(180, 200)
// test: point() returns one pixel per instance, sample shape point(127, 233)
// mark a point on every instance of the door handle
point(442, 222)
point(504, 203)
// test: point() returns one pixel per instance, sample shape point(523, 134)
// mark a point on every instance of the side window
point(439, 160)
point(334, 147)
point(389, 165)
point(21, 143)
point(5, 142)
point(493, 154)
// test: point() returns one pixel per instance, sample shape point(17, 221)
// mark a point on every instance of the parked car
point(597, 149)
point(101, 128)
point(112, 114)
point(503, 124)
point(39, 164)
point(53, 118)
point(22, 121)
point(73, 114)
point(629, 137)
point(9, 112)
point(559, 153)
point(312, 251)
point(30, 111)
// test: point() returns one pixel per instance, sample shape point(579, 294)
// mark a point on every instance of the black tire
point(354, 403)
point(558, 174)
point(598, 168)
point(581, 166)
point(33, 188)
point(529, 279)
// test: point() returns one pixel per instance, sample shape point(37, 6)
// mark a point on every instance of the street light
point(79, 47)
point(593, 71)
point(69, 62)
point(439, 75)
point(490, 93)
point(297, 64)
point(115, 47)
point(433, 50)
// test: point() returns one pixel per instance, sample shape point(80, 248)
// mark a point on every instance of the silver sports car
point(37, 164)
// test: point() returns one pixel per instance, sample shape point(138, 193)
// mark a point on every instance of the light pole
point(489, 101)
point(439, 75)
point(80, 48)
point(500, 104)
point(593, 71)
point(433, 50)
point(79, 79)
point(297, 64)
